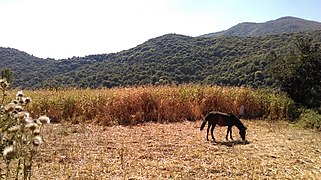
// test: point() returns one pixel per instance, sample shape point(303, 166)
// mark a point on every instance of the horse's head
point(239, 125)
point(243, 133)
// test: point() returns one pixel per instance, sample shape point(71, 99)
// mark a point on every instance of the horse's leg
point(212, 131)
point(208, 130)
point(231, 133)
point(228, 130)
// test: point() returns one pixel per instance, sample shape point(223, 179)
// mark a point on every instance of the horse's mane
point(238, 122)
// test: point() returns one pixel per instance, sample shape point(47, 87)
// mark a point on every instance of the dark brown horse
point(223, 119)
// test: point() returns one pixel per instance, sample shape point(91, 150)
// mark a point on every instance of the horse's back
point(221, 119)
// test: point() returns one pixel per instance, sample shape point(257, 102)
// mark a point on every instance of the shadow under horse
point(223, 119)
point(232, 143)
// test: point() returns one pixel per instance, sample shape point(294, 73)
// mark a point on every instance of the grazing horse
point(223, 119)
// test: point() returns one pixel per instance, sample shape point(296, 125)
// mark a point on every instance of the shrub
point(276, 105)
point(310, 119)
point(20, 135)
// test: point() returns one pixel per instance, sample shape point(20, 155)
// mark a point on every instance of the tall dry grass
point(135, 105)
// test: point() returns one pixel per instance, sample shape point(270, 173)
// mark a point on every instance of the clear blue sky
point(66, 28)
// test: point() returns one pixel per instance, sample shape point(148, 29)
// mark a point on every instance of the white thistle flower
point(10, 107)
point(28, 119)
point(9, 152)
point(21, 115)
point(19, 94)
point(44, 119)
point(18, 108)
point(15, 101)
point(26, 100)
point(32, 126)
point(36, 132)
point(3, 84)
point(15, 128)
point(37, 140)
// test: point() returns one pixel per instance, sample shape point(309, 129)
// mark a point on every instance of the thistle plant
point(20, 135)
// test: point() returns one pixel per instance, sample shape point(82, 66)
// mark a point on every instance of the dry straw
point(135, 105)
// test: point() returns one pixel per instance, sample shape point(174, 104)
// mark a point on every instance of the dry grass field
point(276, 150)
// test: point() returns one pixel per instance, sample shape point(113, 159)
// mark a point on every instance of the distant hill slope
point(278, 26)
point(28, 70)
point(239, 58)
point(166, 59)
point(33, 72)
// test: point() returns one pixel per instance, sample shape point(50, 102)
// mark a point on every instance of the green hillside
point(237, 56)
point(29, 71)
point(170, 58)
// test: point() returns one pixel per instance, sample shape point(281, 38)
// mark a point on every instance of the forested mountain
point(33, 72)
point(171, 58)
point(278, 26)
point(28, 70)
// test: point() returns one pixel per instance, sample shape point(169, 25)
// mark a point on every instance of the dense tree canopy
point(299, 73)
point(170, 58)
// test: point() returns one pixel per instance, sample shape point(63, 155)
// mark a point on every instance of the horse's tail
point(204, 122)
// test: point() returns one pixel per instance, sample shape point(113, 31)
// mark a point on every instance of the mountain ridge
point(170, 58)
point(281, 25)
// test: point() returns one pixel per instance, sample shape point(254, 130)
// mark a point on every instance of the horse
point(223, 119)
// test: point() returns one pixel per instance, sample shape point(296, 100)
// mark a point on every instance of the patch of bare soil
point(276, 150)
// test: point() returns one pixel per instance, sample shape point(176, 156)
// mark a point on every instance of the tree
point(299, 73)
point(7, 74)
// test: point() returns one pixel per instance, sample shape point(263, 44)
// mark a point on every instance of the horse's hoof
point(246, 142)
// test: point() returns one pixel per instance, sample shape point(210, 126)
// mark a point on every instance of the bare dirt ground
point(276, 150)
